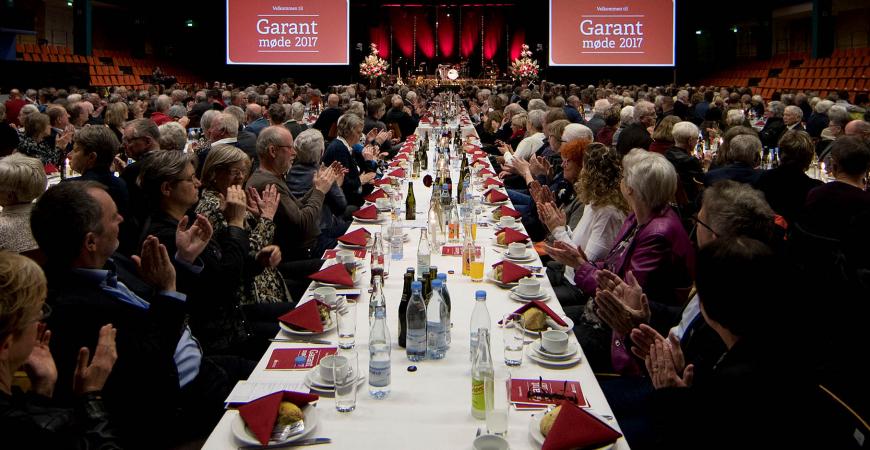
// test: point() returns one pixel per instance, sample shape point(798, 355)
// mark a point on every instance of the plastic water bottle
point(424, 252)
point(396, 243)
point(479, 319)
point(437, 324)
point(482, 374)
point(445, 295)
point(415, 316)
point(379, 355)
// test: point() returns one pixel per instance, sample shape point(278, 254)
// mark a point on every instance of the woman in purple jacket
point(652, 244)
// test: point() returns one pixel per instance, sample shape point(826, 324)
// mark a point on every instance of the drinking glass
point(512, 328)
point(346, 318)
point(476, 268)
point(345, 373)
point(497, 398)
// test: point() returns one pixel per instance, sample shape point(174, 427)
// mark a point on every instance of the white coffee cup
point(387, 188)
point(326, 366)
point(529, 286)
point(517, 250)
point(554, 341)
point(383, 202)
point(326, 295)
point(507, 221)
point(344, 256)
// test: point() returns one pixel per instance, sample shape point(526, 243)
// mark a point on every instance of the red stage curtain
point(470, 37)
point(403, 30)
point(446, 32)
point(493, 29)
point(425, 35)
point(378, 36)
point(517, 41)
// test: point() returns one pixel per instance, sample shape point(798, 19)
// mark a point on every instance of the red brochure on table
point(456, 250)
point(298, 358)
point(537, 393)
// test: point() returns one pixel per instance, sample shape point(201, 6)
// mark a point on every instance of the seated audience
point(786, 186)
point(357, 181)
point(662, 136)
point(22, 180)
point(636, 134)
point(741, 159)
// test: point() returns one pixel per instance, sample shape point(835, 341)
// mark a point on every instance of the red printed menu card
point(535, 394)
point(330, 253)
point(456, 250)
point(298, 358)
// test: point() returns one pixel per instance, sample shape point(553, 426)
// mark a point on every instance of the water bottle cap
point(416, 285)
point(442, 276)
point(436, 284)
point(480, 294)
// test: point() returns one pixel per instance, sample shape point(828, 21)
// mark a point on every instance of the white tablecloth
point(429, 408)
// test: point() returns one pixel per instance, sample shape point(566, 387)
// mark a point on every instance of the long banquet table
point(429, 408)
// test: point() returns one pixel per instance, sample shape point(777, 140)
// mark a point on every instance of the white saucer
point(315, 382)
point(496, 244)
point(536, 357)
point(489, 276)
point(572, 350)
point(377, 220)
point(351, 246)
point(326, 328)
point(543, 298)
point(241, 432)
point(529, 257)
point(541, 294)
point(503, 202)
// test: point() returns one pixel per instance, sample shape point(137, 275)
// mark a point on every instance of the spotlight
point(698, 32)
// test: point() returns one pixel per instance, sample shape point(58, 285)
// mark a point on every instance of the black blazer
point(633, 136)
point(352, 187)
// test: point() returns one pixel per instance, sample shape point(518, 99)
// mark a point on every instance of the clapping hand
point(367, 177)
point(643, 337)
point(541, 194)
point(552, 216)
point(264, 206)
point(539, 166)
point(190, 242)
point(663, 363)
point(566, 254)
point(40, 366)
point(234, 206)
point(91, 377)
point(155, 267)
point(269, 256)
point(324, 178)
point(339, 172)
point(372, 134)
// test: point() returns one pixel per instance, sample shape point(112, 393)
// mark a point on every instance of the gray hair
point(29, 109)
point(602, 106)
point(144, 128)
point(734, 117)
point(536, 119)
point(207, 118)
point(163, 103)
point(172, 136)
point(576, 131)
point(776, 108)
point(160, 167)
point(227, 123)
point(684, 132)
point(309, 147)
point(839, 115)
point(177, 111)
point(626, 115)
point(792, 109)
point(643, 109)
point(270, 136)
point(357, 108)
point(537, 104)
point(736, 209)
point(822, 106)
point(744, 148)
point(297, 111)
point(651, 176)
point(23, 176)
point(237, 112)
point(346, 124)
point(683, 95)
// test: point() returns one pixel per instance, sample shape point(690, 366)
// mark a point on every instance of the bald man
point(13, 107)
point(329, 118)
point(255, 118)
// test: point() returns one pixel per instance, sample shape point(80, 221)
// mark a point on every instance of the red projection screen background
point(282, 32)
point(612, 32)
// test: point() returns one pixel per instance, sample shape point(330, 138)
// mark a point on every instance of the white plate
point(356, 281)
point(496, 244)
point(240, 430)
point(572, 350)
point(513, 296)
point(534, 356)
point(326, 328)
point(530, 257)
point(538, 437)
point(351, 246)
point(315, 382)
point(552, 325)
point(377, 220)
point(503, 202)
point(489, 276)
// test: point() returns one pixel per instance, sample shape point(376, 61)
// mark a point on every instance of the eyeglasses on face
point(699, 222)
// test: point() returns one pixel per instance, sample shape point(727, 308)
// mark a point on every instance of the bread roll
point(288, 413)
point(501, 238)
point(549, 419)
point(498, 272)
point(535, 319)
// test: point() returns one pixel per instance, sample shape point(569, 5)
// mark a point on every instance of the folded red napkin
point(486, 171)
point(260, 414)
point(376, 195)
point(398, 173)
point(50, 168)
point(471, 148)
point(359, 237)
point(505, 210)
point(494, 196)
point(481, 158)
point(334, 274)
point(543, 307)
point(411, 138)
point(511, 272)
point(305, 316)
point(395, 163)
point(369, 212)
point(382, 181)
point(511, 236)
point(576, 428)
point(400, 157)
point(492, 182)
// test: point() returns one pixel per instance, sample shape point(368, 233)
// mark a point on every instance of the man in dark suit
point(254, 118)
point(166, 383)
point(246, 140)
point(205, 101)
point(636, 135)
point(775, 125)
point(328, 117)
point(294, 122)
point(792, 118)
point(141, 137)
point(397, 115)
point(356, 184)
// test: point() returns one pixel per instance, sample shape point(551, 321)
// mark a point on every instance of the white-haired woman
point(22, 179)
